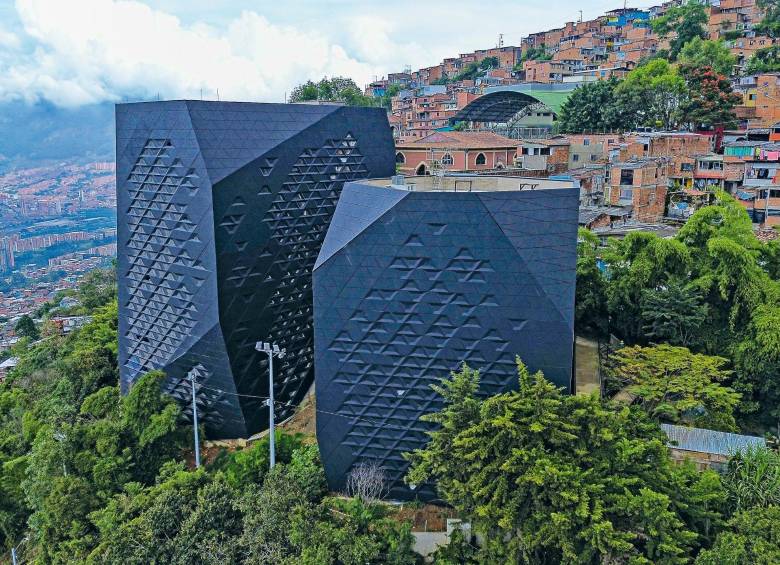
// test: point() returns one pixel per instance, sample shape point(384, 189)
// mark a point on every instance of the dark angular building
point(414, 280)
point(223, 207)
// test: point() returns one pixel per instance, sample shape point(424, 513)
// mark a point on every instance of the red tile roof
point(462, 140)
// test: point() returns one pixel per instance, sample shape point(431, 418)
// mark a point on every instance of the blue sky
point(74, 52)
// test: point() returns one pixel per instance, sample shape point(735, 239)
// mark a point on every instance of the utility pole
point(191, 376)
point(271, 349)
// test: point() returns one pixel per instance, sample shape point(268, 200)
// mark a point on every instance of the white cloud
point(73, 52)
point(93, 50)
point(9, 40)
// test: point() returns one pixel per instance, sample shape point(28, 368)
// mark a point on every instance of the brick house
point(546, 71)
point(586, 148)
point(551, 155)
point(456, 151)
point(641, 184)
point(718, 172)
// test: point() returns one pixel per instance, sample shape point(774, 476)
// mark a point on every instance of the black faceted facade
point(223, 208)
point(409, 285)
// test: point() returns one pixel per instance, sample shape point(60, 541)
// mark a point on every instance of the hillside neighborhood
point(652, 175)
point(518, 307)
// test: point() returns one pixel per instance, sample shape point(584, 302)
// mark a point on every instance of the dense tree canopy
point(26, 327)
point(592, 107)
point(710, 100)
point(652, 93)
point(590, 305)
point(702, 53)
point(687, 22)
point(552, 478)
point(770, 24)
point(766, 60)
point(87, 476)
point(713, 289)
point(673, 385)
point(753, 536)
point(664, 91)
point(336, 89)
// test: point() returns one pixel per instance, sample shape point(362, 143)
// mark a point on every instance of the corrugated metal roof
point(9, 363)
point(709, 441)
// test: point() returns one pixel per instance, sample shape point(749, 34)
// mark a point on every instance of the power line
point(290, 405)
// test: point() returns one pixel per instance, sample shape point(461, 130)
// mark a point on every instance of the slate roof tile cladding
point(223, 207)
point(411, 283)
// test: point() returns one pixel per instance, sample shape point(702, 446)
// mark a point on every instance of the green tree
point(97, 288)
point(590, 306)
point(688, 21)
point(250, 465)
point(766, 60)
point(770, 24)
point(752, 536)
point(386, 100)
point(700, 53)
point(726, 271)
point(459, 551)
point(336, 89)
point(673, 313)
point(25, 327)
point(489, 63)
point(769, 258)
point(672, 384)
point(550, 478)
point(639, 262)
point(268, 512)
point(472, 70)
point(593, 107)
point(652, 94)
point(757, 362)
point(752, 479)
point(539, 53)
point(710, 100)
point(305, 92)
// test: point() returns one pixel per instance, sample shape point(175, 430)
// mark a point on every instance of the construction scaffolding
point(440, 161)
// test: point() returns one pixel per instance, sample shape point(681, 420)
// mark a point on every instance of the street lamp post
point(271, 350)
point(14, 548)
point(191, 376)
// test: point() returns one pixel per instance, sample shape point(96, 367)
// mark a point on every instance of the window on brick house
point(447, 159)
point(627, 176)
point(400, 158)
point(481, 159)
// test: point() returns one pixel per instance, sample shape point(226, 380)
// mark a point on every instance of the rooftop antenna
point(500, 40)
point(580, 16)
point(218, 95)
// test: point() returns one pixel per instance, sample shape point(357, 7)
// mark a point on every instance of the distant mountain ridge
point(35, 134)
